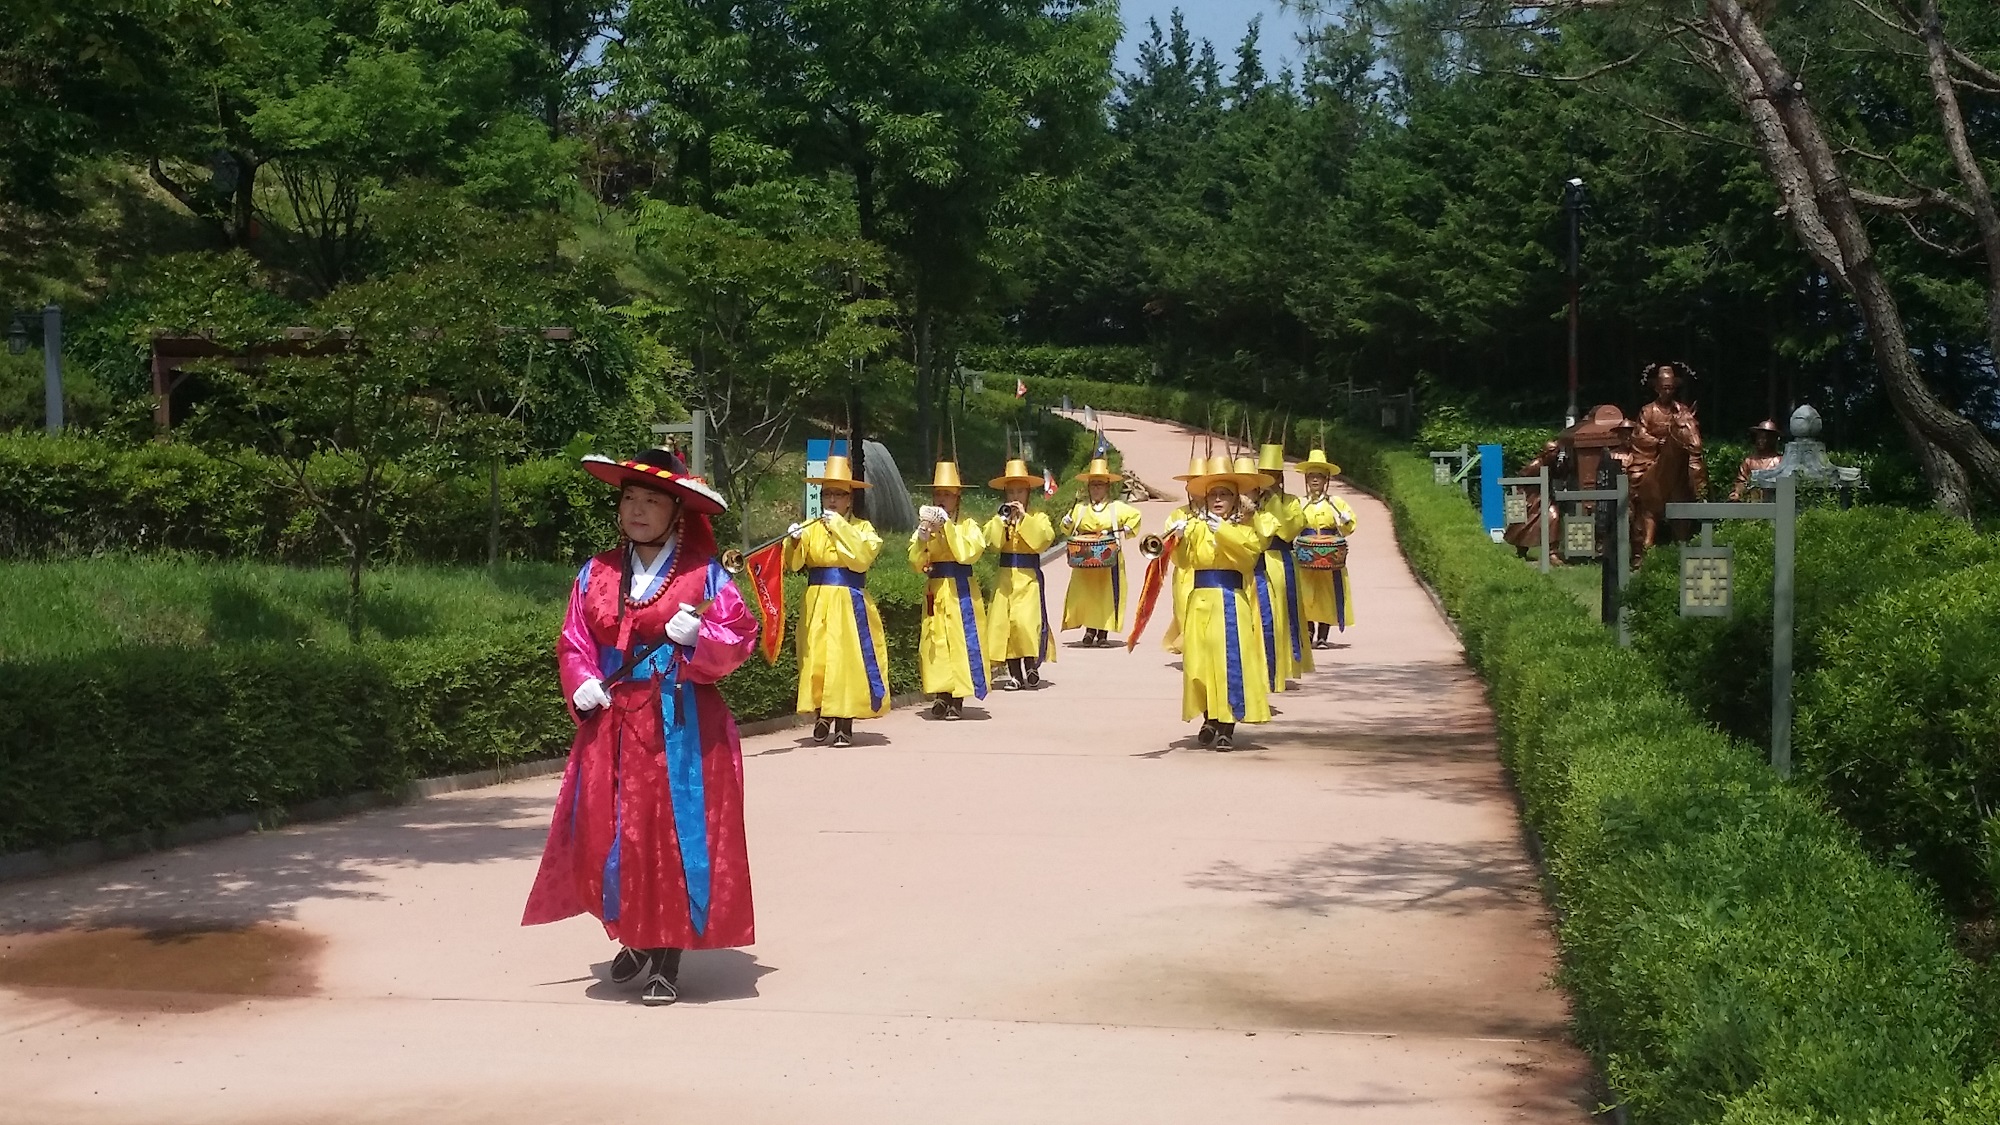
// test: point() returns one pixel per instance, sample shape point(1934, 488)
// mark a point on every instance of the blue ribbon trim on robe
point(1228, 581)
point(1270, 622)
point(1023, 560)
point(680, 729)
point(1291, 562)
point(856, 582)
point(960, 575)
point(1340, 598)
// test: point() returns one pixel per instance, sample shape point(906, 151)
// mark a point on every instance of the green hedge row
point(1897, 650)
point(66, 496)
point(1733, 953)
point(127, 737)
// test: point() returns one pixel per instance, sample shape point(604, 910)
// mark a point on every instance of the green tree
point(764, 322)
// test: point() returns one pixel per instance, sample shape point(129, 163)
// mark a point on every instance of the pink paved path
point(1064, 913)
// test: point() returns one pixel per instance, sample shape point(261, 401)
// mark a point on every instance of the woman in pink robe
point(647, 835)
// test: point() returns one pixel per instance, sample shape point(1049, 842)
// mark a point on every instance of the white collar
point(646, 576)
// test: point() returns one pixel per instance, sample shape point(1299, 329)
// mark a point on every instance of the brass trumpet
point(732, 560)
point(1152, 546)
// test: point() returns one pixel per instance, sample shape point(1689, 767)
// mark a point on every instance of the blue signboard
point(1492, 504)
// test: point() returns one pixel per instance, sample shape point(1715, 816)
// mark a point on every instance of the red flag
point(1020, 389)
point(767, 580)
point(1149, 591)
point(1048, 483)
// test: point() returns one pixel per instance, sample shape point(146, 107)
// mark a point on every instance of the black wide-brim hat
point(662, 471)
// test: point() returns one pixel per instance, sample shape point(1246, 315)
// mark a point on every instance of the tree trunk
point(1978, 192)
point(926, 376)
point(1823, 210)
point(354, 564)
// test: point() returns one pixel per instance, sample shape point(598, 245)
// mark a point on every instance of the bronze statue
point(1665, 462)
point(1528, 535)
point(1763, 455)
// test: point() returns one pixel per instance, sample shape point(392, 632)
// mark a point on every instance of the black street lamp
point(1573, 204)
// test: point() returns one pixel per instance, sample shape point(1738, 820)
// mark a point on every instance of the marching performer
point(1094, 525)
point(647, 835)
point(1285, 651)
point(951, 649)
point(1326, 597)
point(1017, 619)
point(1223, 678)
point(843, 656)
point(1183, 578)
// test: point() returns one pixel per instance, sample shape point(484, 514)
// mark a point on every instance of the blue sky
point(1221, 21)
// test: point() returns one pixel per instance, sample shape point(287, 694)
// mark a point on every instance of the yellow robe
point(1097, 598)
point(1222, 668)
point(839, 676)
point(1287, 651)
point(1182, 578)
point(1017, 616)
point(942, 652)
point(1327, 596)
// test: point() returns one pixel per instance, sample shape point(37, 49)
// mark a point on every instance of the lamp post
point(1573, 204)
point(52, 385)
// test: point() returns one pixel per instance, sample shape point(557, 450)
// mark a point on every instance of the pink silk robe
point(622, 846)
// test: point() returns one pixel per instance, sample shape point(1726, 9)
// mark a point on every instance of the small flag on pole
point(1048, 483)
point(1103, 447)
point(767, 580)
point(1020, 389)
point(1089, 418)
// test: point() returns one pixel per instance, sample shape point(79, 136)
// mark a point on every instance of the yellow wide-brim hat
point(1252, 476)
point(1271, 458)
point(1100, 469)
point(1015, 476)
point(945, 475)
point(1316, 462)
point(839, 474)
point(1197, 466)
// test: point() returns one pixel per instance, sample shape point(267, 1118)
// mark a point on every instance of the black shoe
point(821, 728)
point(627, 965)
point(843, 732)
point(1007, 683)
point(1207, 735)
point(954, 710)
point(941, 708)
point(1034, 676)
point(663, 971)
point(1225, 736)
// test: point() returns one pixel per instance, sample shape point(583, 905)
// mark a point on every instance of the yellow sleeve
point(1238, 547)
point(1128, 518)
point(922, 551)
point(1292, 517)
point(1069, 519)
point(1345, 515)
point(963, 540)
point(858, 544)
point(1265, 523)
point(1197, 546)
point(795, 552)
point(1037, 531)
point(996, 533)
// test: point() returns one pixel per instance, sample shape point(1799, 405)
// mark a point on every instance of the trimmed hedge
point(66, 496)
point(1732, 953)
point(1730, 947)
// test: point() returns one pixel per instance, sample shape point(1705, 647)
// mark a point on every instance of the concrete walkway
point(1063, 913)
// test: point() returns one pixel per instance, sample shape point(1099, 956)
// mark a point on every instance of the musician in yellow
point(1097, 595)
point(1223, 679)
point(1183, 578)
point(1326, 597)
point(1017, 619)
point(1287, 656)
point(843, 656)
point(950, 648)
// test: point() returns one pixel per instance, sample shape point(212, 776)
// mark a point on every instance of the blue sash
point(960, 575)
point(856, 582)
point(1228, 581)
point(1284, 549)
point(1270, 621)
point(1027, 560)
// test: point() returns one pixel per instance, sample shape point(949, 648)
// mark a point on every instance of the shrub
point(1089, 364)
point(1843, 557)
point(1728, 945)
point(66, 496)
point(1901, 724)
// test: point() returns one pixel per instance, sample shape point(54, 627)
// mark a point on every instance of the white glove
point(685, 626)
point(1176, 527)
point(796, 531)
point(590, 695)
point(1214, 521)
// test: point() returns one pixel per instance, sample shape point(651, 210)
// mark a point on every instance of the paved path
point(1064, 913)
